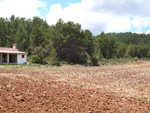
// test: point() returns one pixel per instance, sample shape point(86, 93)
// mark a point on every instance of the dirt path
point(76, 89)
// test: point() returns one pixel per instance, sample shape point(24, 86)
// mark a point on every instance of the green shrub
point(135, 59)
point(94, 60)
point(35, 59)
point(52, 59)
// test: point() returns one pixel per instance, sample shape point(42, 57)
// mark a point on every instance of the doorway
point(4, 58)
point(12, 58)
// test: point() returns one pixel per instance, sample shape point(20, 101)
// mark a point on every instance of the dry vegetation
point(115, 88)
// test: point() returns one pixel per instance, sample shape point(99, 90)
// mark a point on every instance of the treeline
point(137, 45)
point(67, 42)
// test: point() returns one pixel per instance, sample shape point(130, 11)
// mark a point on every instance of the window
point(22, 56)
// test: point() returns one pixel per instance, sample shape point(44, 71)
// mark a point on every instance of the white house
point(12, 56)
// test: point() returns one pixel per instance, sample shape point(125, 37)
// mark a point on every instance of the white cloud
point(96, 15)
point(138, 32)
point(148, 32)
point(20, 8)
point(140, 22)
point(118, 24)
point(104, 15)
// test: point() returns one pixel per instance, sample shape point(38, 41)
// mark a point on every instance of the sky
point(95, 15)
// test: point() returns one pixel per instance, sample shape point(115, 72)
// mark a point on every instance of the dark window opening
point(22, 56)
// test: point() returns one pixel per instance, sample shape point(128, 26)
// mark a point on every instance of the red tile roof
point(11, 51)
point(8, 49)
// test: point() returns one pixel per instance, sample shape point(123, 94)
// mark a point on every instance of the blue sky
point(95, 15)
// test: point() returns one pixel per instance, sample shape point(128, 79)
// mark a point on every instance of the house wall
point(21, 60)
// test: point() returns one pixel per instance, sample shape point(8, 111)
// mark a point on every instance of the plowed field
point(76, 89)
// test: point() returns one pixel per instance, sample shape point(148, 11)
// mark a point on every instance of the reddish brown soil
point(75, 89)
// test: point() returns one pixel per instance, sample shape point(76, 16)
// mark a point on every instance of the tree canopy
point(68, 42)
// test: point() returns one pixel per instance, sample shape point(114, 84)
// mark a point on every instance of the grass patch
point(31, 66)
point(117, 61)
point(81, 86)
point(13, 66)
point(145, 59)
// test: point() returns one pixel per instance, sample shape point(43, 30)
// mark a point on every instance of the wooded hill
point(67, 42)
